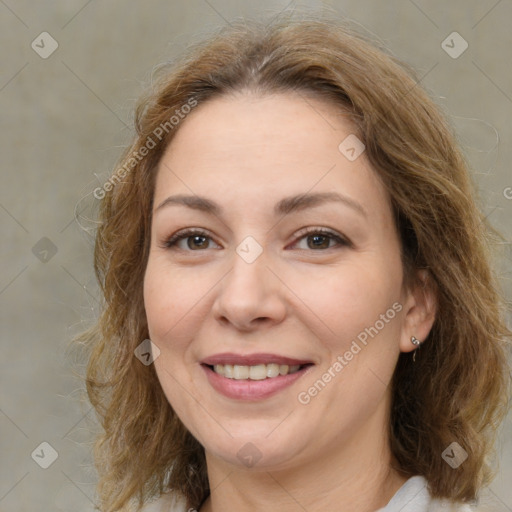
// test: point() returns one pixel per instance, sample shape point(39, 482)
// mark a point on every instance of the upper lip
point(252, 359)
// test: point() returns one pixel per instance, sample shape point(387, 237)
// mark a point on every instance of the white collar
point(414, 496)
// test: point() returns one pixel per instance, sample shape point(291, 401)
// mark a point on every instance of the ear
point(420, 306)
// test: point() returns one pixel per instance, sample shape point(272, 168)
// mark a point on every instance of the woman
point(292, 223)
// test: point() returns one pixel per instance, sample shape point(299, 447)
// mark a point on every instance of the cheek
point(171, 304)
point(172, 298)
point(351, 297)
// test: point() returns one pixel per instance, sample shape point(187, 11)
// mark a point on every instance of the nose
point(250, 296)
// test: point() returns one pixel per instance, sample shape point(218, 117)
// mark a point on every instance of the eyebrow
point(285, 206)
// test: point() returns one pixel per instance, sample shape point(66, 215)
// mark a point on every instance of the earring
point(416, 342)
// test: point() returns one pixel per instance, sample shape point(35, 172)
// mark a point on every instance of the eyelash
point(332, 235)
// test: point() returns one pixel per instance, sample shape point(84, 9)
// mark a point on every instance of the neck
point(353, 476)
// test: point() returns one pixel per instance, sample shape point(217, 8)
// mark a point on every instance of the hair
point(458, 388)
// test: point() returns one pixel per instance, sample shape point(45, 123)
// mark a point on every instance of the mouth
point(253, 377)
point(256, 372)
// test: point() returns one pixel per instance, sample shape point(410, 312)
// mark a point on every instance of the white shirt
point(413, 496)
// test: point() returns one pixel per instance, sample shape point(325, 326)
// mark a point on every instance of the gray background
point(64, 119)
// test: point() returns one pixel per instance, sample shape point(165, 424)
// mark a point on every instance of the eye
point(320, 239)
point(190, 240)
point(312, 238)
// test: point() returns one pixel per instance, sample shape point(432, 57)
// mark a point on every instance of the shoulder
point(414, 496)
point(168, 502)
point(449, 506)
point(486, 503)
point(444, 506)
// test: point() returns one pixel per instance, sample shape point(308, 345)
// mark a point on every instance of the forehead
point(250, 148)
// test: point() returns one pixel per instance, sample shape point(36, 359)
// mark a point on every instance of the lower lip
point(251, 389)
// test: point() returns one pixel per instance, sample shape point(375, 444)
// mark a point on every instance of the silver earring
point(416, 342)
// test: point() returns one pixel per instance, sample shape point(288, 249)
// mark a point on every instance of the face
point(274, 282)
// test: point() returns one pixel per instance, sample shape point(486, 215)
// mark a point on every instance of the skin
point(247, 152)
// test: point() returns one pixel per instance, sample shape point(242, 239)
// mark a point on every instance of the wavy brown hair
point(459, 387)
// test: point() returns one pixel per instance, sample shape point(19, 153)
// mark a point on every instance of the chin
point(258, 451)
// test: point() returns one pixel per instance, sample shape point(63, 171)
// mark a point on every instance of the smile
point(257, 372)
point(252, 377)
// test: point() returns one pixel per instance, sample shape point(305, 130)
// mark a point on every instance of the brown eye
point(197, 242)
point(190, 240)
point(320, 239)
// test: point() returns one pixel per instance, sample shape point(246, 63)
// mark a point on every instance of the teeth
point(272, 370)
point(257, 372)
point(240, 372)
